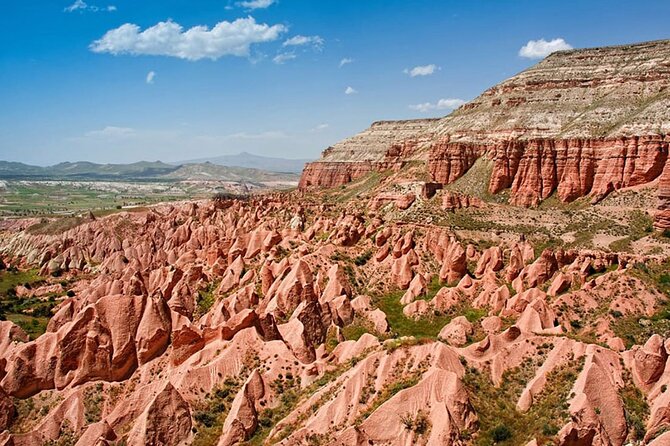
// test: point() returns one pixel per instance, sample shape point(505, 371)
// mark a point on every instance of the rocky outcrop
point(385, 145)
point(572, 168)
point(662, 220)
point(580, 123)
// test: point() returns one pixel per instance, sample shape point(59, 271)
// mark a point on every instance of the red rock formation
point(535, 169)
point(662, 220)
point(546, 131)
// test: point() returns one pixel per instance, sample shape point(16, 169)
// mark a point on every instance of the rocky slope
point(382, 312)
point(385, 145)
point(579, 123)
point(263, 321)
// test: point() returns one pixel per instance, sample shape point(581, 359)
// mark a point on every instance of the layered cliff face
point(385, 145)
point(579, 123)
point(535, 169)
point(663, 215)
point(582, 122)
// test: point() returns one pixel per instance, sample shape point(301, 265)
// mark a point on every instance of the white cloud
point(350, 90)
point(77, 5)
point(537, 49)
point(346, 61)
point(81, 5)
point(421, 70)
point(315, 41)
point(111, 132)
point(442, 104)
point(282, 58)
point(320, 127)
point(273, 134)
point(256, 4)
point(170, 39)
point(150, 77)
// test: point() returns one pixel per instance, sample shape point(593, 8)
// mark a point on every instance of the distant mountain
point(244, 159)
point(210, 171)
point(10, 169)
point(143, 170)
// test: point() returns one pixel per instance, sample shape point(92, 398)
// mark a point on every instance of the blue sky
point(266, 76)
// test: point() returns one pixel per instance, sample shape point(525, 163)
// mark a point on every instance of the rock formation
point(580, 123)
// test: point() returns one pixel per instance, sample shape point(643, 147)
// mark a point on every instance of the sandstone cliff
point(579, 123)
point(385, 145)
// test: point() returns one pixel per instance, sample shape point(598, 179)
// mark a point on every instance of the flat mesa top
point(604, 92)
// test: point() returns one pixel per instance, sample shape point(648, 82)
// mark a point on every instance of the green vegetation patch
point(500, 422)
point(640, 225)
point(210, 414)
point(31, 314)
point(427, 327)
point(93, 400)
point(31, 411)
point(635, 407)
point(288, 387)
point(634, 329)
point(205, 300)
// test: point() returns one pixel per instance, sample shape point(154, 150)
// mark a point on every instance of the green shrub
point(363, 258)
point(501, 433)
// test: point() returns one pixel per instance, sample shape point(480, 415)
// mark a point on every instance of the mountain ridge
point(141, 170)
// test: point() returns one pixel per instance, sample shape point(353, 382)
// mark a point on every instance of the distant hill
point(139, 170)
point(143, 170)
point(210, 171)
point(252, 161)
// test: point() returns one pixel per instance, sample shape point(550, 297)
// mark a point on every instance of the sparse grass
point(288, 387)
point(205, 300)
point(210, 414)
point(358, 328)
point(500, 422)
point(93, 400)
point(66, 436)
point(634, 329)
point(388, 392)
point(30, 411)
point(33, 326)
point(55, 226)
point(636, 408)
point(640, 225)
point(363, 258)
point(358, 187)
point(475, 182)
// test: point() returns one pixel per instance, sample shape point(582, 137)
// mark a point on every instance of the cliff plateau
point(579, 123)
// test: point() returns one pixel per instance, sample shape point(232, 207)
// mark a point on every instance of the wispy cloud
point(346, 61)
point(273, 134)
point(350, 90)
point(81, 5)
point(421, 70)
point(282, 58)
point(170, 39)
point(315, 41)
point(442, 104)
point(256, 4)
point(150, 77)
point(538, 49)
point(320, 127)
point(111, 132)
